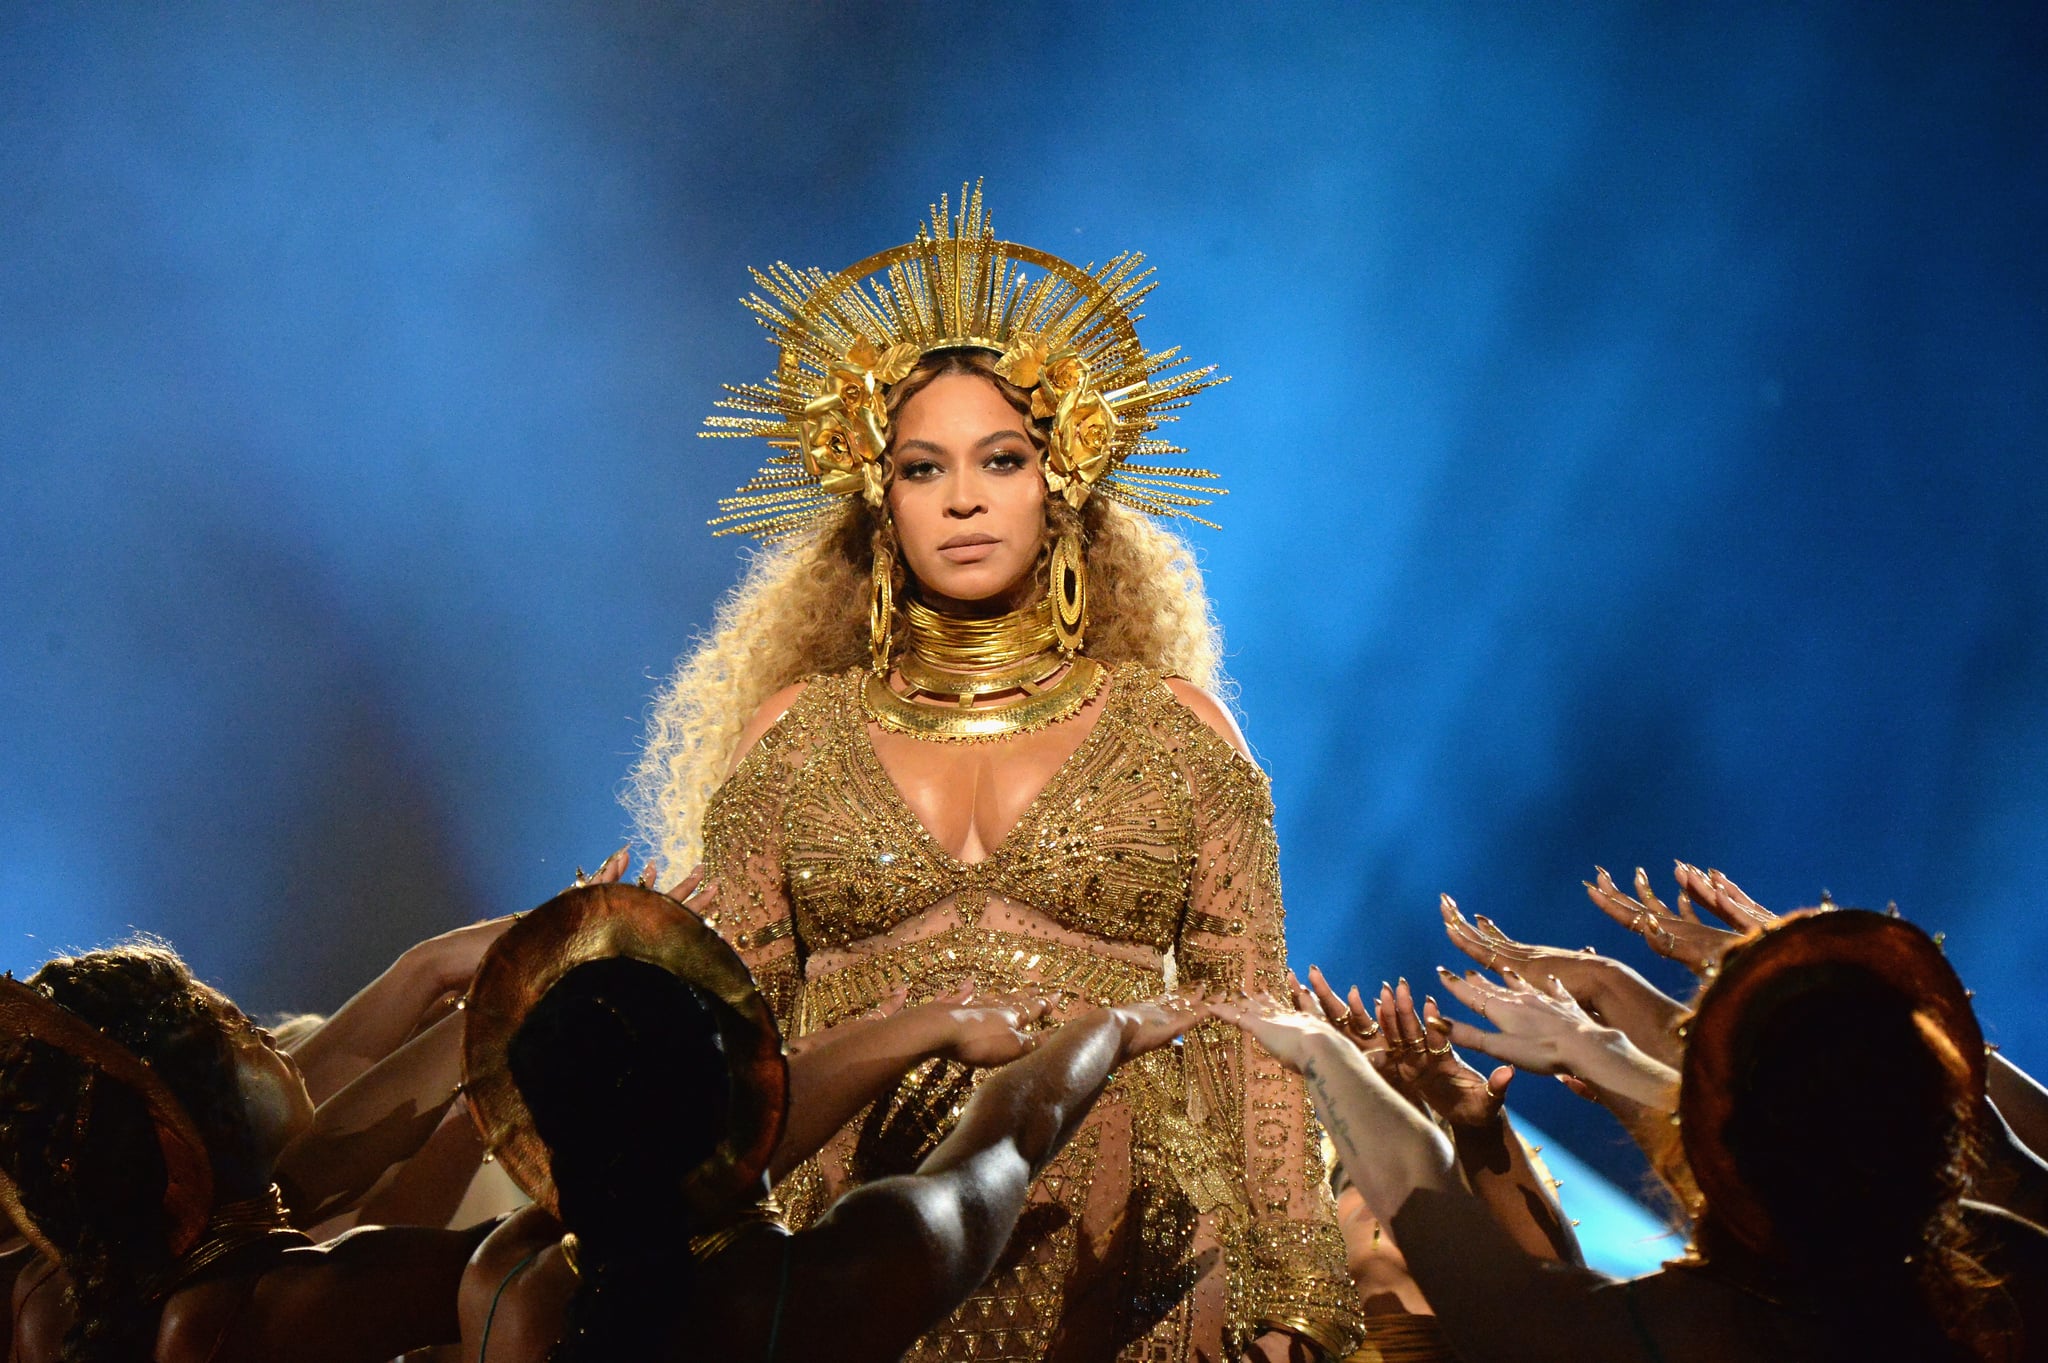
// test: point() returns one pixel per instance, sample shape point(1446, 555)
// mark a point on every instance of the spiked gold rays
point(956, 286)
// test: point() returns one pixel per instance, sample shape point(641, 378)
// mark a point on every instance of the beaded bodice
point(1104, 849)
point(1154, 834)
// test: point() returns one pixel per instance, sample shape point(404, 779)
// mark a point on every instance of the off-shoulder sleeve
point(1291, 1271)
point(744, 895)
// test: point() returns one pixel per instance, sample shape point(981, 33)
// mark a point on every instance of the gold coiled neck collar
point(952, 643)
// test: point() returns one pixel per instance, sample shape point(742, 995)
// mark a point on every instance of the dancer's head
point(1833, 1082)
point(621, 1068)
point(84, 1151)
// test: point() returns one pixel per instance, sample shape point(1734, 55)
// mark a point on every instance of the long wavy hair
point(801, 610)
point(83, 1151)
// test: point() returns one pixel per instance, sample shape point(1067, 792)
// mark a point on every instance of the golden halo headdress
point(594, 922)
point(26, 1011)
point(1066, 334)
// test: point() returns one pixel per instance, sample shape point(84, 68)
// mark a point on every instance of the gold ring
point(1480, 1007)
point(1428, 1049)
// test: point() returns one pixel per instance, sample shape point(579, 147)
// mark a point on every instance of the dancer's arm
point(369, 1294)
point(1492, 1299)
point(383, 1117)
point(845, 1068)
point(899, 1253)
point(388, 1010)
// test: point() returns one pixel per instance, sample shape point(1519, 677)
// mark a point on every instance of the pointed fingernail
point(1403, 982)
point(1443, 973)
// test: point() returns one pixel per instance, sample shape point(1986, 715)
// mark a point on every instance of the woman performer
point(954, 722)
point(142, 1117)
point(628, 1073)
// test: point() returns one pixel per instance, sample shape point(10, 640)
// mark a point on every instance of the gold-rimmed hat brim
point(597, 922)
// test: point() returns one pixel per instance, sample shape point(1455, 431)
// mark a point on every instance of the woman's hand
point(1681, 936)
point(1358, 1021)
point(1156, 1023)
point(612, 870)
point(977, 1032)
point(1546, 1032)
point(1290, 1035)
point(1611, 993)
point(1423, 1063)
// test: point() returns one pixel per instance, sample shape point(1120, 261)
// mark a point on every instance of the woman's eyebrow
point(930, 447)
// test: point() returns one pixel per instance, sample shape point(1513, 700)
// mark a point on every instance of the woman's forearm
point(1387, 1147)
point(841, 1071)
point(1515, 1190)
point(383, 1117)
point(1032, 1105)
point(372, 1024)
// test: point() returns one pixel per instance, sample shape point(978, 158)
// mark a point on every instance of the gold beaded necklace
point(970, 665)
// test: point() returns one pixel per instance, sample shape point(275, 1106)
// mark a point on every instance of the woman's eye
point(922, 468)
point(1006, 459)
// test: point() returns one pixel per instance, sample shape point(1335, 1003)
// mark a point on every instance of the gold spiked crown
point(1067, 334)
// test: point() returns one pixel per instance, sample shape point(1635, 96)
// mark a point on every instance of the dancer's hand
point(613, 868)
point(977, 1032)
point(1424, 1065)
point(1156, 1023)
point(1610, 992)
point(1546, 1032)
point(1354, 1017)
point(1675, 935)
point(1723, 898)
point(1291, 1035)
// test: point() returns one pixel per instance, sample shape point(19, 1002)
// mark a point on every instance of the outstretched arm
point(381, 1118)
point(392, 1007)
point(899, 1253)
point(1492, 1299)
point(845, 1068)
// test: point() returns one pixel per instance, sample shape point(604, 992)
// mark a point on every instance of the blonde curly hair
point(801, 610)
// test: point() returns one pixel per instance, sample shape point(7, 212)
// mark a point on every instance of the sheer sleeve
point(1288, 1266)
point(744, 894)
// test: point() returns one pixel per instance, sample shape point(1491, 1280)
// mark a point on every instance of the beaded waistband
point(996, 961)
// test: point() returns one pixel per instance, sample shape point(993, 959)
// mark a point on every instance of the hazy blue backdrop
point(1636, 439)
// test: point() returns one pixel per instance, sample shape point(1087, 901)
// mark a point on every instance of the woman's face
point(967, 494)
point(274, 1098)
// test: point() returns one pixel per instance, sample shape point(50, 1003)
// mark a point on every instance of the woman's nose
point(963, 495)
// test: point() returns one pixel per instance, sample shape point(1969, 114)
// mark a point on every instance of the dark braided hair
point(621, 1066)
point(81, 1148)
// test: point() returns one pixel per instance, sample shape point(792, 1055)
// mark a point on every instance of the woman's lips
point(968, 548)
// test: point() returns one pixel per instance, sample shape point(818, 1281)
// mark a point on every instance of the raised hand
point(1423, 1063)
point(612, 870)
point(1609, 991)
point(1355, 1018)
point(1675, 935)
point(1544, 1030)
point(1723, 898)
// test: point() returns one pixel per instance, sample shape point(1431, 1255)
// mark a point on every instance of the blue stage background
point(1636, 439)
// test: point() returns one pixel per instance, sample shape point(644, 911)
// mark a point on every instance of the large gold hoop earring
point(881, 607)
point(1069, 591)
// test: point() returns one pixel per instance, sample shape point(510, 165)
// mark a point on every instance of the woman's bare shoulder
point(765, 717)
point(1212, 712)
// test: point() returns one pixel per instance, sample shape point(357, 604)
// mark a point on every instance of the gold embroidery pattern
point(1157, 833)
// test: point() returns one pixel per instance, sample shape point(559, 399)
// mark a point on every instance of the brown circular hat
point(1763, 972)
point(597, 922)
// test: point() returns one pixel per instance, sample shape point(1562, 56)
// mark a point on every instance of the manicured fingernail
point(1404, 982)
point(1443, 973)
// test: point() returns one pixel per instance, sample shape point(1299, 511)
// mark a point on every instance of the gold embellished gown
point(1190, 1211)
